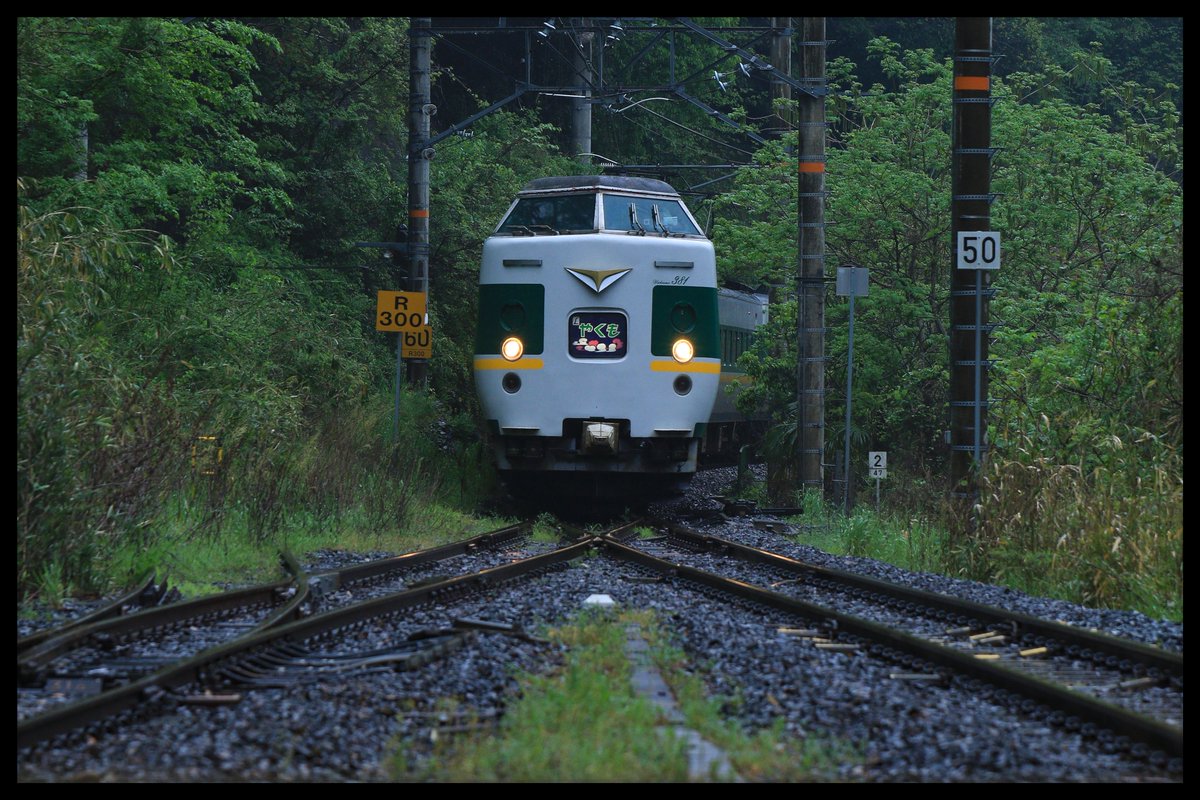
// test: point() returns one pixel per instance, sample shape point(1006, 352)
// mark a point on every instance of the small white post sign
point(978, 250)
point(877, 462)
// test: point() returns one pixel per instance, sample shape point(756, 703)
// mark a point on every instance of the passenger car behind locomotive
point(599, 351)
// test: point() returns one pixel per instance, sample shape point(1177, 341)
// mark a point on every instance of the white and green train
point(603, 340)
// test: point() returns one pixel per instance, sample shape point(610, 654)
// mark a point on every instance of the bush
point(96, 440)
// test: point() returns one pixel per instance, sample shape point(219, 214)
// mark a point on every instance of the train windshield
point(626, 213)
point(533, 216)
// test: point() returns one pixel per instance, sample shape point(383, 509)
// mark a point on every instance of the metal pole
point(420, 109)
point(970, 211)
point(849, 397)
point(396, 407)
point(978, 432)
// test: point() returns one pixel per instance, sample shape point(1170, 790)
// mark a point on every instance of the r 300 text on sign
point(400, 311)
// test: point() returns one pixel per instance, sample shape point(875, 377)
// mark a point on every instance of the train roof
point(597, 182)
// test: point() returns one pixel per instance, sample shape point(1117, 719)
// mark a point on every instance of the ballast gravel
point(351, 729)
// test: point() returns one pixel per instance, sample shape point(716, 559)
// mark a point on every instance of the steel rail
point(1167, 738)
point(1169, 663)
point(31, 661)
point(373, 569)
point(144, 589)
point(34, 660)
point(622, 532)
point(206, 665)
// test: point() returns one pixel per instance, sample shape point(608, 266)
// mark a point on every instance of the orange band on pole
point(419, 212)
point(812, 166)
point(966, 83)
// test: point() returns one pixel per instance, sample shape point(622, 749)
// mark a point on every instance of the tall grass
point(913, 541)
point(1106, 530)
point(96, 441)
point(128, 386)
point(347, 486)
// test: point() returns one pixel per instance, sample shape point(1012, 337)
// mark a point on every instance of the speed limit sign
point(978, 250)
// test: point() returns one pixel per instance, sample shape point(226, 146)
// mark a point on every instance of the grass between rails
point(584, 722)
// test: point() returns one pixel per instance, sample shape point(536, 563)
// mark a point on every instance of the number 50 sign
point(978, 250)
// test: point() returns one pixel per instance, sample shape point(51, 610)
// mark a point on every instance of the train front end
point(597, 355)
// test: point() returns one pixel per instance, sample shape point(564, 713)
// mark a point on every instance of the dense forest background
point(190, 192)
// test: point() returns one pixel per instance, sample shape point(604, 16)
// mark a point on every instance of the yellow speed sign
point(417, 344)
point(400, 311)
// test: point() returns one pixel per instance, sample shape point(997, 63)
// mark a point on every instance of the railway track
point(145, 594)
point(274, 647)
point(1128, 695)
point(89, 658)
point(373, 619)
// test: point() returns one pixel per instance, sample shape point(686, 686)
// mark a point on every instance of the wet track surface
point(900, 729)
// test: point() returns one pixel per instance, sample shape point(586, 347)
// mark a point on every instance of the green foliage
point(256, 146)
point(636, 129)
point(265, 148)
point(1090, 297)
point(94, 435)
point(164, 104)
point(333, 118)
point(1090, 290)
point(755, 231)
point(1088, 512)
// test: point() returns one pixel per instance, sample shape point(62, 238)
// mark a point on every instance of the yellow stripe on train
point(671, 365)
point(500, 363)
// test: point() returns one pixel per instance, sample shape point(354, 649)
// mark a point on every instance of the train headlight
point(682, 351)
point(512, 348)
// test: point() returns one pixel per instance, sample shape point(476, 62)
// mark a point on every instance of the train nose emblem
point(598, 279)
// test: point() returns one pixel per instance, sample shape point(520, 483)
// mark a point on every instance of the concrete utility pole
point(810, 283)
point(781, 59)
point(581, 116)
point(970, 289)
point(420, 109)
point(782, 471)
